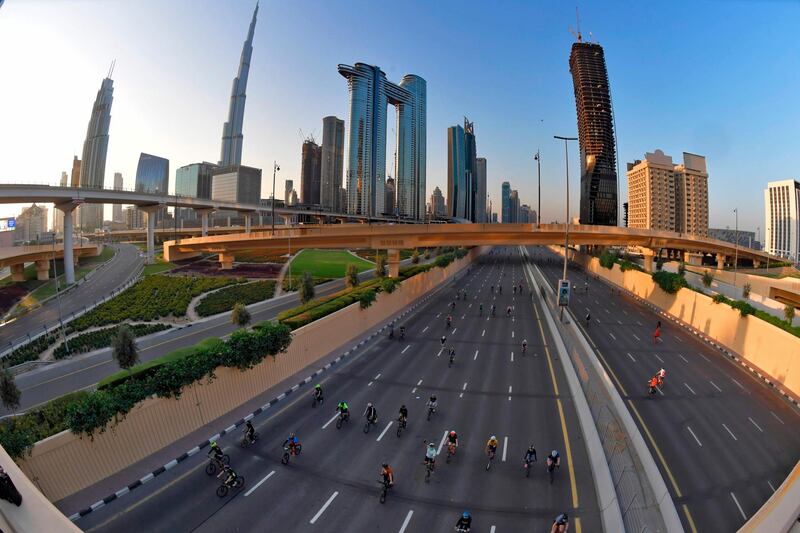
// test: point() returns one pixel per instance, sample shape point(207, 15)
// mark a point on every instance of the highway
point(333, 485)
point(723, 440)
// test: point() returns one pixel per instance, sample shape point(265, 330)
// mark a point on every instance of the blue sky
point(717, 78)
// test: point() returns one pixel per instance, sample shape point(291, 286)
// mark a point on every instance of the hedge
point(668, 281)
point(290, 283)
point(224, 299)
point(32, 350)
point(102, 338)
point(607, 259)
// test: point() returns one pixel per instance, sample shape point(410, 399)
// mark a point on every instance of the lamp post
point(566, 225)
point(736, 246)
point(539, 171)
point(58, 293)
point(275, 169)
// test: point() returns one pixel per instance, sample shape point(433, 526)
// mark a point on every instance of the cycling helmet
point(291, 435)
point(554, 453)
point(403, 406)
point(214, 444)
point(431, 445)
point(369, 404)
point(465, 515)
point(493, 438)
point(385, 465)
point(317, 386)
point(452, 433)
point(562, 519)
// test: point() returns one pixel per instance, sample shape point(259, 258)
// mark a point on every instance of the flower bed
point(224, 299)
point(243, 270)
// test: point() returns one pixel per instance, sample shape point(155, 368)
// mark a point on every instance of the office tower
point(231, 152)
point(747, 239)
point(75, 177)
point(236, 183)
point(288, 187)
point(194, 181)
point(494, 218)
point(598, 204)
point(412, 151)
point(116, 209)
point(294, 200)
point(456, 173)
point(526, 214)
point(782, 225)
point(310, 172)
point(480, 197)
point(152, 174)
point(332, 163)
point(513, 206)
point(389, 196)
point(437, 203)
point(505, 193)
point(95, 149)
point(665, 196)
point(31, 224)
point(64, 179)
point(471, 169)
point(370, 93)
point(134, 217)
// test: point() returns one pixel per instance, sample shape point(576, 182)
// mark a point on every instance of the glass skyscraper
point(332, 163)
point(456, 173)
point(95, 149)
point(412, 151)
point(194, 180)
point(505, 207)
point(152, 174)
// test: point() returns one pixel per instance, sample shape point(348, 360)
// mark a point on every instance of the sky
point(717, 78)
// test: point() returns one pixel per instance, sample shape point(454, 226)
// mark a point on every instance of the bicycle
point(451, 451)
point(343, 417)
point(237, 483)
point(384, 488)
point(452, 358)
point(527, 465)
point(369, 423)
point(215, 464)
point(247, 441)
point(431, 410)
point(428, 470)
point(491, 455)
point(317, 399)
point(288, 451)
point(401, 425)
point(551, 470)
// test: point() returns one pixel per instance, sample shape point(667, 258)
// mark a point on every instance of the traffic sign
point(563, 292)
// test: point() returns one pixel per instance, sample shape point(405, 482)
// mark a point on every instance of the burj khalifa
point(231, 152)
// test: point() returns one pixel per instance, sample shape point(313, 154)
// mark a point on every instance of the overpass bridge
point(16, 257)
point(397, 237)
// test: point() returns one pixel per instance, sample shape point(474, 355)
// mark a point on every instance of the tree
point(746, 290)
point(124, 348)
point(427, 254)
point(788, 312)
point(306, 288)
point(9, 392)
point(681, 268)
point(380, 265)
point(351, 277)
point(240, 316)
point(708, 277)
point(415, 257)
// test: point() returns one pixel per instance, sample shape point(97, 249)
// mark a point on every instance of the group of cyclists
point(656, 381)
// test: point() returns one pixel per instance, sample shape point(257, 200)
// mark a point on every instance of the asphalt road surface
point(723, 440)
point(492, 388)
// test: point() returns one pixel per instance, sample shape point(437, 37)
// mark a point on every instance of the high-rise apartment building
point(389, 203)
point(288, 187)
point(437, 203)
point(95, 148)
point(665, 196)
point(370, 93)
point(513, 206)
point(505, 206)
point(782, 224)
point(232, 138)
point(116, 209)
point(236, 183)
point(598, 202)
point(456, 173)
point(134, 217)
point(332, 163)
point(31, 224)
point(410, 172)
point(471, 169)
point(310, 169)
point(480, 198)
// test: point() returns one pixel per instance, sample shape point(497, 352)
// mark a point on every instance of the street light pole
point(275, 169)
point(736, 244)
point(566, 225)
point(58, 293)
point(539, 171)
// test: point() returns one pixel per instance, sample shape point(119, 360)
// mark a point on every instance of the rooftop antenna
point(577, 33)
point(111, 68)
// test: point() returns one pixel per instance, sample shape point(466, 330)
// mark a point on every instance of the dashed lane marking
point(259, 483)
point(441, 443)
point(322, 510)
point(509, 393)
point(328, 423)
point(629, 355)
point(770, 486)
point(406, 348)
point(384, 430)
point(684, 359)
point(776, 417)
point(426, 329)
point(635, 336)
point(657, 357)
point(505, 448)
point(476, 355)
point(512, 334)
point(454, 331)
point(462, 390)
point(690, 389)
point(715, 385)
point(756, 425)
point(744, 516)
point(512, 357)
point(730, 433)
point(406, 521)
point(740, 385)
point(415, 388)
point(695, 436)
point(612, 335)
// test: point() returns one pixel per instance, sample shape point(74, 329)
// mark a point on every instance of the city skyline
point(545, 100)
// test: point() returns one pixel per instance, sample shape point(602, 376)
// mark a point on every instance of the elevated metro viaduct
point(396, 237)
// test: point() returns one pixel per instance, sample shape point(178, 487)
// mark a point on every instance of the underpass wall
point(66, 463)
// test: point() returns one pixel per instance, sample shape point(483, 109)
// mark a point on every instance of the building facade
point(116, 209)
point(410, 171)
point(471, 169)
point(691, 181)
point(152, 174)
point(237, 183)
point(332, 163)
point(31, 224)
point(288, 187)
point(505, 206)
point(598, 200)
point(134, 217)
point(746, 239)
point(513, 206)
point(232, 138)
point(437, 203)
point(310, 168)
point(95, 148)
point(194, 180)
point(389, 197)
point(480, 198)
point(782, 222)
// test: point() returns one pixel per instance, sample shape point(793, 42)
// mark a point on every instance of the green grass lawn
point(327, 263)
point(159, 266)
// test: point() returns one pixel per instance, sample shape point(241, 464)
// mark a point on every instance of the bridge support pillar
point(720, 261)
point(150, 211)
point(226, 260)
point(693, 259)
point(42, 269)
point(648, 259)
point(69, 261)
point(248, 219)
point(756, 263)
point(394, 263)
point(18, 272)
point(204, 220)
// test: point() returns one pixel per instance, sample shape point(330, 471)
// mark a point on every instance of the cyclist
point(524, 345)
point(560, 524)
point(520, 288)
point(230, 475)
point(344, 409)
point(480, 309)
point(452, 440)
point(318, 392)
point(530, 455)
point(453, 305)
point(370, 413)
point(515, 289)
point(430, 454)
point(653, 384)
point(493, 309)
point(508, 311)
point(293, 443)
point(449, 320)
point(215, 451)
point(403, 412)
point(402, 332)
point(464, 523)
point(492, 289)
point(553, 460)
point(491, 445)
point(250, 432)
point(444, 339)
point(387, 474)
point(588, 318)
point(432, 403)
point(661, 375)
point(391, 330)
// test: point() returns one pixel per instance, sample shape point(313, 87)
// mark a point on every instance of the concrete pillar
point(756, 263)
point(394, 263)
point(226, 260)
point(720, 261)
point(648, 259)
point(247, 221)
point(69, 261)
point(691, 258)
point(18, 272)
point(204, 218)
point(151, 211)
point(42, 269)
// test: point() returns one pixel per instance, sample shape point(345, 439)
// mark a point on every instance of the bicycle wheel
point(226, 459)
point(245, 442)
point(366, 427)
point(552, 472)
point(430, 411)
point(285, 458)
point(427, 474)
point(339, 423)
point(527, 470)
point(399, 429)
point(222, 491)
point(211, 469)
point(383, 494)
point(239, 483)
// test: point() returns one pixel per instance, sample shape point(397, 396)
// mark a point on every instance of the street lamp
point(275, 169)
point(539, 169)
point(58, 293)
point(736, 246)
point(566, 225)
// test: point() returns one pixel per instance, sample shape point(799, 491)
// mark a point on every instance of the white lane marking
point(463, 389)
point(322, 510)
point(598, 303)
point(454, 331)
point(729, 432)
point(776, 417)
point(384, 430)
point(415, 388)
point(657, 357)
point(624, 312)
point(695, 436)
point(612, 335)
point(756, 425)
point(703, 356)
point(512, 357)
point(370, 384)
point(607, 311)
point(476, 355)
point(463, 316)
point(639, 323)
point(426, 329)
point(619, 322)
point(484, 333)
point(470, 305)
point(509, 393)
point(770, 486)
point(406, 521)
point(660, 391)
point(632, 359)
point(505, 448)
point(438, 315)
point(635, 336)
point(739, 506)
point(378, 376)
point(740, 385)
point(441, 443)
point(259, 483)
point(328, 423)
point(690, 389)
point(406, 348)
point(714, 385)
point(684, 359)
point(440, 351)
point(492, 529)
point(512, 334)
point(678, 339)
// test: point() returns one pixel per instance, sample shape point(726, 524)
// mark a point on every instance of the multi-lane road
point(492, 389)
point(723, 440)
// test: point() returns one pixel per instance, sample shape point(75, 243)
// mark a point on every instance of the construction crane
point(577, 33)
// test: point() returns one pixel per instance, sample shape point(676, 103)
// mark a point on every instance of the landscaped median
point(190, 388)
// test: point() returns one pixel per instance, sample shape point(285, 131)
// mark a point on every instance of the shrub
point(9, 392)
point(351, 275)
point(366, 298)
point(102, 338)
point(788, 312)
point(415, 257)
point(607, 259)
point(444, 259)
point(240, 316)
point(746, 288)
point(743, 307)
point(388, 285)
point(306, 288)
point(708, 277)
point(626, 265)
point(427, 254)
point(292, 283)
point(669, 282)
point(30, 351)
point(223, 300)
point(124, 349)
point(460, 253)
point(720, 299)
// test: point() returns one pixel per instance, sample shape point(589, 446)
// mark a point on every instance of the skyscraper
point(116, 209)
point(152, 174)
point(370, 93)
point(456, 173)
point(505, 208)
point(389, 203)
point(471, 169)
point(288, 187)
point(310, 168)
point(437, 203)
point(236, 183)
point(194, 180)
point(412, 151)
point(480, 198)
point(31, 224)
point(782, 225)
point(95, 148)
point(332, 163)
point(231, 152)
point(598, 204)
point(75, 177)
point(513, 206)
